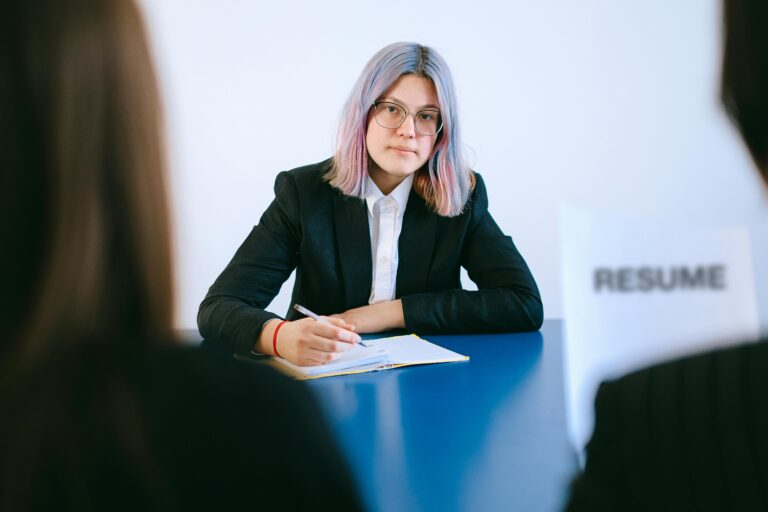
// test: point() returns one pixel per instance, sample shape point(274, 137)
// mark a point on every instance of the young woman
point(100, 409)
point(378, 233)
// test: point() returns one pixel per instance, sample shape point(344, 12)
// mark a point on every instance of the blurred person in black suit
point(692, 434)
point(100, 408)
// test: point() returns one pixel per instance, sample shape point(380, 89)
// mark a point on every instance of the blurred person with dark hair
point(692, 434)
point(100, 408)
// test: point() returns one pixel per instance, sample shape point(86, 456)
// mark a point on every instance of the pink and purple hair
point(445, 182)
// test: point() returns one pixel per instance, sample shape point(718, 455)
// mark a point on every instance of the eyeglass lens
point(392, 115)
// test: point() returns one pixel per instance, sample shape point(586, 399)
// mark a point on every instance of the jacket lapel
point(417, 240)
point(353, 242)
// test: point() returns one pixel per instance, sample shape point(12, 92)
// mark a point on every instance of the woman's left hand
point(383, 316)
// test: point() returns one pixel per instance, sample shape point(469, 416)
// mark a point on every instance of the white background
point(600, 104)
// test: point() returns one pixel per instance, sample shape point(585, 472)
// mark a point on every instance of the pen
point(304, 311)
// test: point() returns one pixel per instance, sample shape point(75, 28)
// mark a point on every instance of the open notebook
point(380, 354)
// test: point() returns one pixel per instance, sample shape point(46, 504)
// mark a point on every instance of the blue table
point(487, 434)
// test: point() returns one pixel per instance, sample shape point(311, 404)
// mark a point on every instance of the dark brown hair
point(744, 86)
point(85, 255)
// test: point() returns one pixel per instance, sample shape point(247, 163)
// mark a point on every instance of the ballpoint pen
point(304, 311)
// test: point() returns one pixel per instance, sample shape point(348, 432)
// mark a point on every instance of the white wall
point(605, 104)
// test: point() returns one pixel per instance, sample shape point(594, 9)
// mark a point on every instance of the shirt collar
point(399, 194)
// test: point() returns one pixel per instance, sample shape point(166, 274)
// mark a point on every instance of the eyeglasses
point(392, 115)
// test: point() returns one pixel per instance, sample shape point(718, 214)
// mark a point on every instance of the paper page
point(355, 357)
point(411, 349)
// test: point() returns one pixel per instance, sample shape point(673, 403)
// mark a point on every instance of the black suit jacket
point(691, 434)
point(324, 235)
point(214, 434)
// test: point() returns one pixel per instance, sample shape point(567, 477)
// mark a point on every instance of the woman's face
point(399, 152)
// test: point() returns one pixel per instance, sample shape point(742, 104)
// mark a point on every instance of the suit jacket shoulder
point(224, 426)
point(307, 178)
point(689, 434)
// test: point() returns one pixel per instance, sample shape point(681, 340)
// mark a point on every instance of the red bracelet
point(274, 337)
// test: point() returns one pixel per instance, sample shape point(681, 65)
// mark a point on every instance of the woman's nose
point(408, 128)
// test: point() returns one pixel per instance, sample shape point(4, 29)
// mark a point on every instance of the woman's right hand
point(307, 342)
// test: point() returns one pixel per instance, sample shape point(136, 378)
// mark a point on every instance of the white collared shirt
point(385, 221)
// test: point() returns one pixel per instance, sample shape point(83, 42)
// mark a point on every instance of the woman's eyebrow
point(400, 102)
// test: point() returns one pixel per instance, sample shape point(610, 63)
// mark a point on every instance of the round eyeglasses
point(392, 115)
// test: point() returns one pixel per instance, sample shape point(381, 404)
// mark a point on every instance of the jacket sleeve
point(507, 298)
point(251, 438)
point(232, 313)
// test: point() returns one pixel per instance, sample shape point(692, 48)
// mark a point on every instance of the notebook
point(380, 354)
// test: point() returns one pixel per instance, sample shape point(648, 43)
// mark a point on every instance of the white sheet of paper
point(411, 349)
point(611, 330)
point(357, 357)
point(381, 353)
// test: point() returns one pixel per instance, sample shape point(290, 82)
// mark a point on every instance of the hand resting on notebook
point(307, 342)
